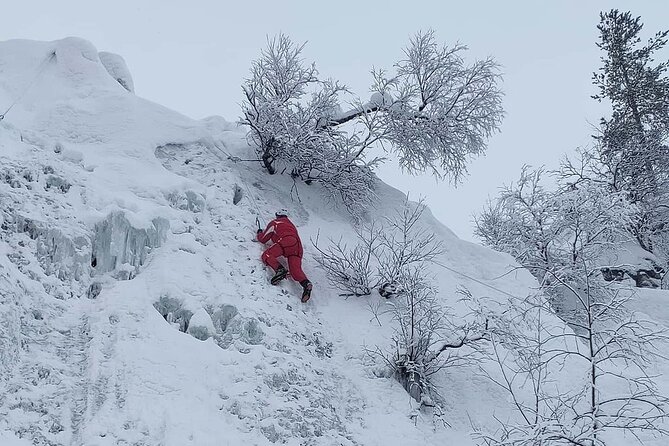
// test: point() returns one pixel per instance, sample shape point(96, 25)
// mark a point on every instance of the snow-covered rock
point(630, 261)
point(117, 68)
point(201, 326)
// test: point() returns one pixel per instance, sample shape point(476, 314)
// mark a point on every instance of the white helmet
point(281, 213)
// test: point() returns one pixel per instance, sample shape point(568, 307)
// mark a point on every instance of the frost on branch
point(444, 110)
point(425, 338)
point(610, 350)
point(563, 237)
point(435, 113)
point(284, 108)
point(394, 254)
point(383, 251)
point(550, 230)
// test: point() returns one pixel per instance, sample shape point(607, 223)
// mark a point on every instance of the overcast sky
point(192, 56)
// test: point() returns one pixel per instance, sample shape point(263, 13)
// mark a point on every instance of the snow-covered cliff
point(134, 309)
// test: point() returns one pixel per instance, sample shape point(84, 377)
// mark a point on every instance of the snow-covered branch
point(435, 113)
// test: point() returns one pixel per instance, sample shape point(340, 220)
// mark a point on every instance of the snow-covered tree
point(563, 237)
point(435, 110)
point(396, 253)
point(384, 251)
point(435, 113)
point(548, 230)
point(632, 145)
point(650, 220)
point(352, 270)
point(522, 222)
point(285, 104)
point(577, 386)
point(426, 337)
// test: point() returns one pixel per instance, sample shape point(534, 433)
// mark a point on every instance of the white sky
point(193, 56)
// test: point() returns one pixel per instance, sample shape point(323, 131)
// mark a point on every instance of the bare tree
point(563, 237)
point(352, 270)
point(552, 230)
point(610, 347)
point(384, 250)
point(522, 221)
point(436, 113)
point(404, 242)
point(425, 339)
point(519, 341)
point(443, 110)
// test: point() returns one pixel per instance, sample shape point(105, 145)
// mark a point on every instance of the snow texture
point(117, 69)
point(201, 326)
point(119, 236)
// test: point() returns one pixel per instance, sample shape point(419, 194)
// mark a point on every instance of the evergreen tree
point(632, 145)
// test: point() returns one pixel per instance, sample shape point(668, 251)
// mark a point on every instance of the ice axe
point(259, 229)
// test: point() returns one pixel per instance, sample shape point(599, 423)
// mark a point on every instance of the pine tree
point(632, 145)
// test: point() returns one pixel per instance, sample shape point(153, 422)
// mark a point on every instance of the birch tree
point(587, 378)
point(383, 251)
point(434, 111)
point(552, 230)
point(581, 385)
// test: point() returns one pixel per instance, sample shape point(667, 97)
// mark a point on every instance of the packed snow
point(134, 309)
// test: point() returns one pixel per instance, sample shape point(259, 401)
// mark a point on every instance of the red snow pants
point(290, 248)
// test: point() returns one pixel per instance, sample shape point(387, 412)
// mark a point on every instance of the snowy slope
point(119, 228)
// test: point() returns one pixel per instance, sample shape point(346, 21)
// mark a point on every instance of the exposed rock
point(644, 277)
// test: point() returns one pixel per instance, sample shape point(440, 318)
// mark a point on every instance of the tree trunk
point(267, 157)
point(411, 381)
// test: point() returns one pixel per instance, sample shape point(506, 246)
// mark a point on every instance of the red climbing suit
point(286, 243)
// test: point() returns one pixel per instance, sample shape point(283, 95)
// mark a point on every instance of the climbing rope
point(474, 280)
point(40, 68)
point(251, 196)
point(236, 159)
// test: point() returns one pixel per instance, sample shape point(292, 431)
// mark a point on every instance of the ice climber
point(287, 243)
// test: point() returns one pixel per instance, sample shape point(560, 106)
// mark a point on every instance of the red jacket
point(284, 233)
